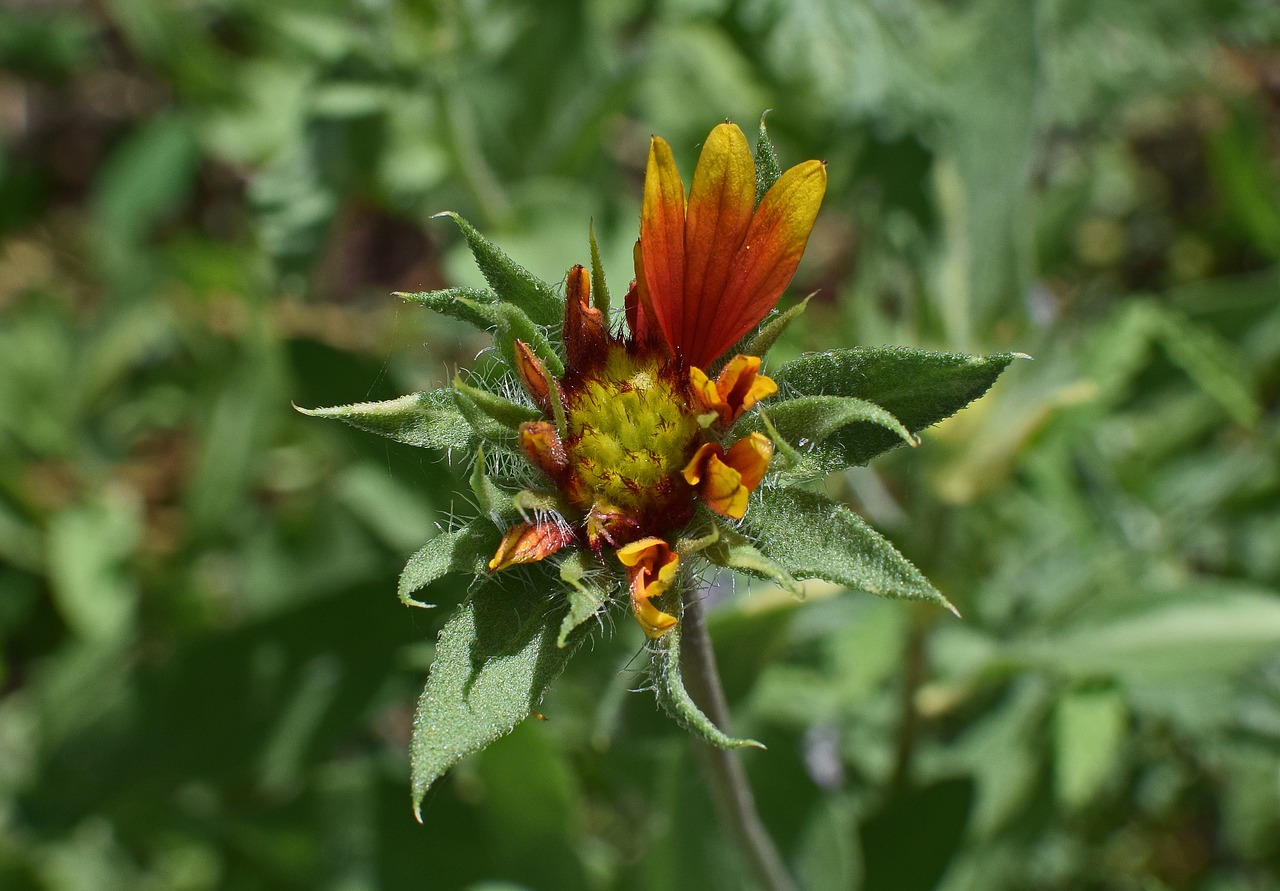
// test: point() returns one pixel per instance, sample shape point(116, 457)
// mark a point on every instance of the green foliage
point(206, 682)
point(668, 681)
point(494, 660)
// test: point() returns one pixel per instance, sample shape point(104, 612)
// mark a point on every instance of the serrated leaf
point(813, 537)
point(429, 420)
point(918, 387)
point(733, 551)
point(466, 550)
point(495, 658)
point(585, 597)
point(514, 285)
point(767, 167)
point(668, 684)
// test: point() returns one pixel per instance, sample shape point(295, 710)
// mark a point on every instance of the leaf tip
point(1027, 356)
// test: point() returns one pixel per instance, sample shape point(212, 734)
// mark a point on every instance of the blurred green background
point(206, 680)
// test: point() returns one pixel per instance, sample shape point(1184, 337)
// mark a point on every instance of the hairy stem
point(723, 767)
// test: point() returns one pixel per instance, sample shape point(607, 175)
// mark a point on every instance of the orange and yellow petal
point(739, 386)
point(662, 240)
point(651, 570)
point(770, 252)
point(529, 543)
point(725, 480)
point(721, 204)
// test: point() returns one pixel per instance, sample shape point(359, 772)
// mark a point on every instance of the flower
point(635, 432)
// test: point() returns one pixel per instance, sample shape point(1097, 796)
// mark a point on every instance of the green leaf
point(767, 168)
point(813, 537)
point(668, 682)
point(599, 289)
point(429, 420)
point(810, 420)
point(481, 421)
point(514, 284)
point(460, 303)
point(586, 598)
point(467, 550)
point(1089, 727)
point(507, 413)
point(732, 551)
point(494, 502)
point(918, 387)
point(495, 658)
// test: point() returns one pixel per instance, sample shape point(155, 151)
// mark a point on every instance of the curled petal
point(585, 333)
point(639, 306)
point(738, 387)
point(611, 527)
point(529, 543)
point(651, 570)
point(541, 443)
point(725, 481)
point(533, 374)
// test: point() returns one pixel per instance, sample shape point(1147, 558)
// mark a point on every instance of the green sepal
point(668, 684)
point(507, 413)
point(485, 427)
point(465, 550)
point(786, 456)
point(733, 551)
point(918, 387)
point(515, 285)
point(599, 289)
point(767, 167)
point(764, 337)
point(495, 658)
point(428, 420)
point(813, 537)
point(585, 597)
point(495, 502)
point(459, 303)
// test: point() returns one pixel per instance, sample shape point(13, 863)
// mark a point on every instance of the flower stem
point(723, 767)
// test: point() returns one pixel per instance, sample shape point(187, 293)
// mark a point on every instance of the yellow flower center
point(631, 430)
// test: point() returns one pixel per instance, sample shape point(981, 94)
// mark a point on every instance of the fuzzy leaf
point(676, 701)
point(585, 597)
point(767, 167)
point(485, 427)
point(507, 413)
point(430, 420)
point(514, 284)
point(813, 537)
point(460, 303)
point(494, 502)
point(811, 419)
point(918, 387)
point(732, 551)
point(495, 658)
point(467, 549)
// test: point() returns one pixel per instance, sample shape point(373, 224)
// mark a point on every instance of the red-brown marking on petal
point(529, 543)
point(585, 334)
point(738, 387)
